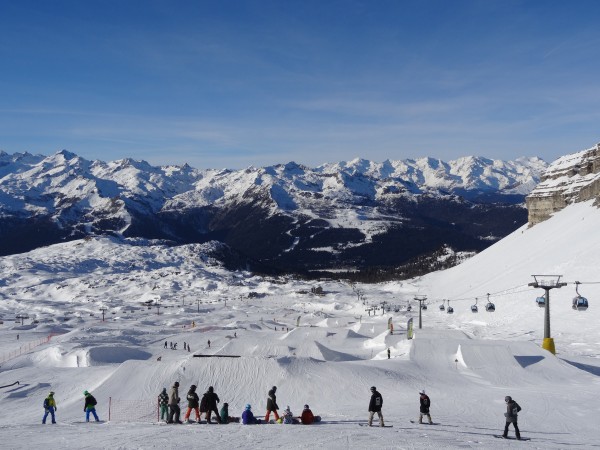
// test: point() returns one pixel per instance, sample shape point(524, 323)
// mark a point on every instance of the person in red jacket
point(307, 416)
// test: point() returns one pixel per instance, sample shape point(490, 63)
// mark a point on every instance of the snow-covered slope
point(322, 350)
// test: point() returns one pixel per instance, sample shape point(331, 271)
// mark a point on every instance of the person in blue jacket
point(248, 417)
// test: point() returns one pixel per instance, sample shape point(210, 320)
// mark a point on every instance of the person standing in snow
point(90, 406)
point(424, 408)
point(209, 343)
point(174, 410)
point(388, 351)
point(163, 402)
point(49, 407)
point(211, 404)
point(512, 410)
point(272, 405)
point(375, 406)
point(193, 404)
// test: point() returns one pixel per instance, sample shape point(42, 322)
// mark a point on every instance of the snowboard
point(375, 426)
point(424, 423)
point(499, 436)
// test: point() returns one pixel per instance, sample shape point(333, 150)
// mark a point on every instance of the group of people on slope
point(376, 403)
point(89, 407)
point(170, 411)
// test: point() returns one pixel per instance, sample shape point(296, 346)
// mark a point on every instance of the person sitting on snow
point(248, 417)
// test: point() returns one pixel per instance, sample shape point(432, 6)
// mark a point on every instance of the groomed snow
point(467, 362)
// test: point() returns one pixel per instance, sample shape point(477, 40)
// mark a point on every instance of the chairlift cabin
point(442, 307)
point(474, 308)
point(450, 308)
point(541, 301)
point(490, 307)
point(424, 307)
point(408, 307)
point(580, 303)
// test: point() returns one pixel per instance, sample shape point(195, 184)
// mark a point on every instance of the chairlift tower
point(547, 282)
point(420, 299)
point(103, 309)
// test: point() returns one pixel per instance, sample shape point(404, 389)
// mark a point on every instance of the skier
point(375, 406)
point(184, 345)
point(165, 344)
point(388, 353)
point(49, 407)
point(272, 405)
point(512, 409)
point(425, 404)
point(247, 416)
point(90, 406)
point(163, 401)
point(174, 410)
point(209, 343)
point(211, 404)
point(193, 404)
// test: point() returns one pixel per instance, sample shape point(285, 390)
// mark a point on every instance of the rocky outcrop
point(569, 179)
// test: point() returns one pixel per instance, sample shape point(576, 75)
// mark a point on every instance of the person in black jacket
point(425, 404)
point(211, 399)
point(193, 404)
point(375, 406)
point(512, 409)
point(272, 405)
point(89, 406)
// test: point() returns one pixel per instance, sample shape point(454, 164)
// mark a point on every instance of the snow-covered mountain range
point(294, 217)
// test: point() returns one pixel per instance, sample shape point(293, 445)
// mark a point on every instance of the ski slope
point(466, 361)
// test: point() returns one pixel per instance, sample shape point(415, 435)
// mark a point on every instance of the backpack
point(516, 409)
point(427, 402)
point(92, 401)
point(46, 403)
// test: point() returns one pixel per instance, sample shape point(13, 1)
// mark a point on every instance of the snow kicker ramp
point(489, 362)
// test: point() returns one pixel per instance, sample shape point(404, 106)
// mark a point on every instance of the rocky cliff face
point(569, 179)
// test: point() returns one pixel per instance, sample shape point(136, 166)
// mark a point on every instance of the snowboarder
point(193, 404)
point(174, 410)
point(307, 417)
point(49, 407)
point(163, 402)
point(272, 405)
point(388, 353)
point(512, 409)
point(209, 343)
point(248, 417)
point(165, 344)
point(225, 417)
point(375, 406)
point(425, 404)
point(90, 406)
point(288, 417)
point(184, 345)
point(211, 404)
point(235, 334)
point(189, 348)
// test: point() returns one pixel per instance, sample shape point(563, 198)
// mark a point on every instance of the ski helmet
point(373, 388)
point(508, 398)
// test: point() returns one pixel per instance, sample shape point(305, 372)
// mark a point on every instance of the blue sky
point(229, 83)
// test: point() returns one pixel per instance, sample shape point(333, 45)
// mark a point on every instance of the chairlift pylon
point(490, 307)
point(580, 303)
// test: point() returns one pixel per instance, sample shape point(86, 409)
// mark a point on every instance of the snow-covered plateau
point(322, 350)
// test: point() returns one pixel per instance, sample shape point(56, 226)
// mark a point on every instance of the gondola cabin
point(450, 310)
point(490, 307)
point(474, 308)
point(424, 307)
point(541, 301)
point(580, 303)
